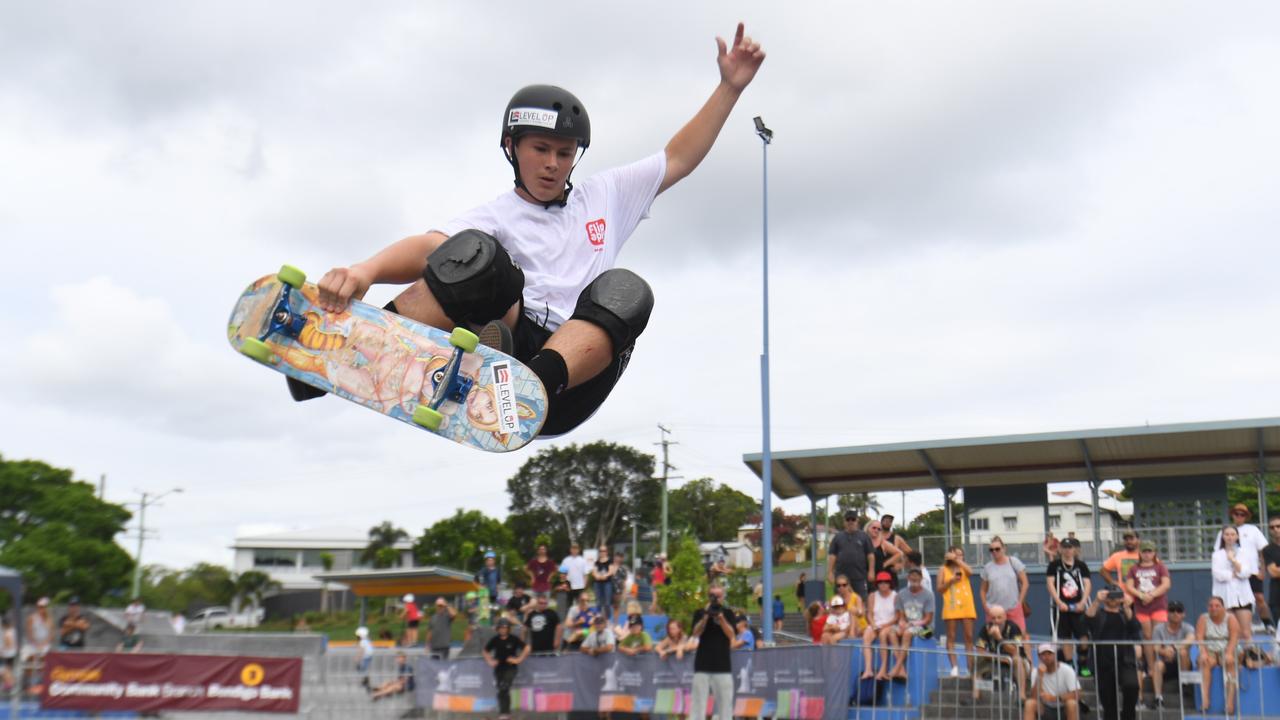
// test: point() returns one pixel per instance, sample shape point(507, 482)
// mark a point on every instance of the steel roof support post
point(947, 495)
point(1262, 484)
point(1093, 493)
point(813, 535)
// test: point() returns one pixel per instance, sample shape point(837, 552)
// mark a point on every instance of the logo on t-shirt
point(595, 234)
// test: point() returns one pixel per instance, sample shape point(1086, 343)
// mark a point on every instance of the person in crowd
point(489, 576)
point(602, 579)
point(816, 617)
point(637, 641)
point(520, 602)
point(882, 626)
point(1116, 567)
point(999, 645)
point(1173, 649)
point(1254, 542)
point(130, 641)
point(178, 623)
point(915, 609)
point(1218, 637)
point(621, 581)
point(854, 604)
point(1149, 582)
point(718, 573)
point(504, 652)
point(600, 639)
point(958, 609)
point(401, 683)
point(1050, 547)
point(575, 568)
point(366, 655)
point(1070, 586)
point(38, 638)
point(800, 591)
point(1004, 583)
point(745, 639)
point(851, 554)
point(1233, 565)
point(73, 628)
point(440, 630)
point(644, 593)
point(623, 626)
point(1271, 569)
point(412, 617)
point(134, 612)
point(838, 622)
point(1055, 692)
point(779, 611)
point(578, 621)
point(676, 643)
point(915, 561)
point(8, 652)
point(891, 537)
point(542, 627)
point(1111, 624)
point(713, 626)
point(541, 569)
point(888, 558)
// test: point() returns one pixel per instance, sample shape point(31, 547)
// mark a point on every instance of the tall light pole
point(766, 506)
point(142, 534)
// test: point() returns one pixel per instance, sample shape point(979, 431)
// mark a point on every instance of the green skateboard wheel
point(427, 417)
point(258, 350)
point(292, 276)
point(464, 338)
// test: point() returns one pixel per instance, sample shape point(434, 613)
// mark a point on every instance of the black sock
point(549, 366)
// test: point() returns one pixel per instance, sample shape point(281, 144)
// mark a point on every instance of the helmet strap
point(560, 200)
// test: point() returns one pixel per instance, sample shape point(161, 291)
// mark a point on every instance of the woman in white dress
point(1232, 569)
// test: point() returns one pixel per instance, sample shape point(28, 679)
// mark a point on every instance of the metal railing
point(1178, 543)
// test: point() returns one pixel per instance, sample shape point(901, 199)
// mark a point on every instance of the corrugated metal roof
point(1208, 448)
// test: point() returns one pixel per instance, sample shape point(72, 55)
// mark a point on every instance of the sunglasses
point(1238, 513)
point(842, 584)
point(994, 549)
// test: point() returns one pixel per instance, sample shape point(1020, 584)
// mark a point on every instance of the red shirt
point(815, 627)
point(411, 612)
point(541, 572)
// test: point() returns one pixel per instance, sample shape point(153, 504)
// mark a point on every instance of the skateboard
point(445, 383)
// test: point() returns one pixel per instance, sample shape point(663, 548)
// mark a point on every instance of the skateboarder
point(533, 269)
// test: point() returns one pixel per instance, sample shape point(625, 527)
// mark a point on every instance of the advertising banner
point(801, 683)
point(151, 682)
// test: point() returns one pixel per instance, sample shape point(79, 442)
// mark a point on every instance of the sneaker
point(497, 335)
point(1156, 703)
point(955, 671)
point(1086, 672)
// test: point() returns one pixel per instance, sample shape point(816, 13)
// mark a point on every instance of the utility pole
point(142, 534)
point(666, 478)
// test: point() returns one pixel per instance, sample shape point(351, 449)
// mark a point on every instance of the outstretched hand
point(738, 64)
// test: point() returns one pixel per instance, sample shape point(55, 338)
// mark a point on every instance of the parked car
point(219, 616)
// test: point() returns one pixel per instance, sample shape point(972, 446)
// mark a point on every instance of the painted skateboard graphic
point(445, 383)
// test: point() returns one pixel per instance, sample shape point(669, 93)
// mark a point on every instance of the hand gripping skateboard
point(442, 382)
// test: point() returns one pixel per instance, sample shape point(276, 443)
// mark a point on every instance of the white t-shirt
point(575, 568)
point(885, 608)
point(562, 249)
point(840, 621)
point(1059, 682)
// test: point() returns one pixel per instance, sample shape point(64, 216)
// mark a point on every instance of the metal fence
point(1180, 543)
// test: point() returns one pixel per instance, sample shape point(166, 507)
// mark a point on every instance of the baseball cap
point(837, 601)
point(635, 620)
point(42, 602)
point(1046, 648)
point(408, 597)
point(850, 515)
point(1129, 533)
point(490, 554)
point(1070, 542)
point(1176, 606)
point(362, 632)
point(74, 600)
point(1147, 545)
point(503, 622)
point(883, 576)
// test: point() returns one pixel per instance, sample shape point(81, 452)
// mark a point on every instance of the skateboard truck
point(283, 320)
point(450, 384)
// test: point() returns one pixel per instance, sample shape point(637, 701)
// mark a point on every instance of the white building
point(1070, 512)
point(292, 558)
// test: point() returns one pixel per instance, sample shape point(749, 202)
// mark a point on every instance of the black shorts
point(1255, 584)
point(1071, 625)
point(413, 623)
point(571, 407)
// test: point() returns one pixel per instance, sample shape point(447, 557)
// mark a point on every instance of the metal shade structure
point(1231, 447)
point(398, 581)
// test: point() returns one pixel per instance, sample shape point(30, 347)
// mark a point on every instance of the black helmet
point(548, 109)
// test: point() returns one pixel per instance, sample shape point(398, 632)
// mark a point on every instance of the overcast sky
point(985, 218)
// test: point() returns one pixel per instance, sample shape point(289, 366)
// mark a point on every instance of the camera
point(715, 609)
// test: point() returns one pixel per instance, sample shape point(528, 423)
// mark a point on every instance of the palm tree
point(865, 504)
point(254, 586)
point(326, 560)
point(383, 538)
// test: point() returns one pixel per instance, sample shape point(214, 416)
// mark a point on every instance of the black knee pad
point(473, 278)
point(619, 301)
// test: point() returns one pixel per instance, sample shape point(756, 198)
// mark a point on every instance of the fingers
point(337, 288)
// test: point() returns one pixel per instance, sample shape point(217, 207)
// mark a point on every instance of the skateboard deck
point(420, 375)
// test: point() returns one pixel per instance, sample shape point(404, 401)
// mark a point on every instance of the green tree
point(254, 585)
point(688, 589)
point(381, 552)
point(594, 490)
point(865, 504)
point(326, 561)
point(460, 542)
point(712, 512)
point(58, 534)
point(199, 586)
point(534, 526)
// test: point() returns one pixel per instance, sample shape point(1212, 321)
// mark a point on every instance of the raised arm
point(399, 263)
point(738, 65)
